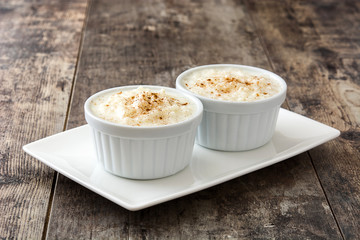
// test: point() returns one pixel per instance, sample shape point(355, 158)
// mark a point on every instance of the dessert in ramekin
point(241, 104)
point(143, 132)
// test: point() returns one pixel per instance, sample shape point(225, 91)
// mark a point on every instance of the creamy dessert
point(230, 84)
point(142, 107)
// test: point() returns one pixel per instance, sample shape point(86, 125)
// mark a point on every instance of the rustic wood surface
point(317, 49)
point(39, 44)
point(55, 54)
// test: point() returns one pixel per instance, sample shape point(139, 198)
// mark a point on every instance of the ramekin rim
point(197, 113)
point(282, 82)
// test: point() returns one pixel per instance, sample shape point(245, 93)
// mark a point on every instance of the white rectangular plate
point(71, 153)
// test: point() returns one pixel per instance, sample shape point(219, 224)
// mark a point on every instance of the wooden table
point(55, 54)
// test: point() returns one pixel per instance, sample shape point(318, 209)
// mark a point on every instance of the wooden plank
point(78, 213)
point(316, 46)
point(278, 202)
point(38, 52)
point(151, 43)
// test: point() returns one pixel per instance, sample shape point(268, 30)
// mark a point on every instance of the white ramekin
point(237, 126)
point(144, 152)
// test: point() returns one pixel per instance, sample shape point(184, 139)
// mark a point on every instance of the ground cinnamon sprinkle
point(143, 107)
point(230, 84)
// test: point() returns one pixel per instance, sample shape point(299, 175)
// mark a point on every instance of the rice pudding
point(241, 104)
point(230, 84)
point(133, 131)
point(142, 107)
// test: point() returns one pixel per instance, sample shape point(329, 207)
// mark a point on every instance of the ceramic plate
point(71, 153)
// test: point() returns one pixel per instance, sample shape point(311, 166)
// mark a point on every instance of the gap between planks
point(326, 197)
point(56, 174)
point(262, 42)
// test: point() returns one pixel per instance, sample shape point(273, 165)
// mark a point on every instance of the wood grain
point(137, 42)
point(316, 46)
point(276, 202)
point(38, 49)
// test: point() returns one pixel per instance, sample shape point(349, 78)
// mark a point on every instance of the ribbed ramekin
point(144, 152)
point(237, 126)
